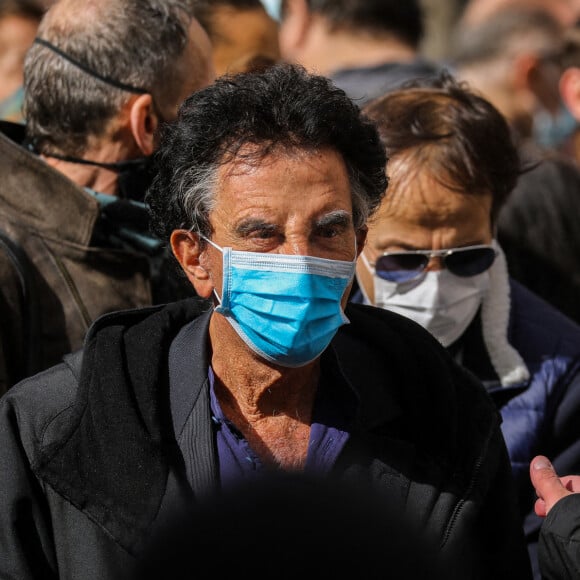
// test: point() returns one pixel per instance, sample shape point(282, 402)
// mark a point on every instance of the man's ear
point(143, 122)
point(524, 77)
point(541, 78)
point(293, 29)
point(525, 70)
point(361, 239)
point(187, 250)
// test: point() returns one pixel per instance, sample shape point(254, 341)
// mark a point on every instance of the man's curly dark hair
point(280, 108)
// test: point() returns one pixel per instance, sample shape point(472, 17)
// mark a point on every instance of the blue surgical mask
point(286, 308)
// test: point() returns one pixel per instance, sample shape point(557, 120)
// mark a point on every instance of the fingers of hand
point(540, 508)
point(549, 488)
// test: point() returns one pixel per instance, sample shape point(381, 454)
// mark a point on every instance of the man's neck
point(97, 178)
point(328, 51)
point(257, 387)
point(271, 407)
point(94, 177)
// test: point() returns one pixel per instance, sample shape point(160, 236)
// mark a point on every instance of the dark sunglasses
point(407, 266)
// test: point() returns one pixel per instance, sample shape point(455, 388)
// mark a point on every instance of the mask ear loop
point(355, 250)
point(366, 262)
point(191, 230)
point(211, 243)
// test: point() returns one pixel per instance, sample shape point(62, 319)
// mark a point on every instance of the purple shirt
point(328, 435)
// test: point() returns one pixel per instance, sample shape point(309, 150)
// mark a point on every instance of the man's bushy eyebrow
point(335, 218)
point(253, 224)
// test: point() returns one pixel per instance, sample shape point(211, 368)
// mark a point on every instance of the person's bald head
point(475, 12)
point(512, 59)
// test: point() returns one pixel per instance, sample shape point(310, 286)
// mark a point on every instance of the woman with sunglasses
point(431, 255)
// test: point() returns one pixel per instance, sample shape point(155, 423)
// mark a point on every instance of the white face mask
point(441, 302)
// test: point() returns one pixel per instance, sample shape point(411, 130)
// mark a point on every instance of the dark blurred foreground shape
point(293, 525)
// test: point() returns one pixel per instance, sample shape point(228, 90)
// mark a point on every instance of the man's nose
point(435, 264)
point(297, 247)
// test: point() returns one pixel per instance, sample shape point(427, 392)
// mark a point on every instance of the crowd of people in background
point(267, 265)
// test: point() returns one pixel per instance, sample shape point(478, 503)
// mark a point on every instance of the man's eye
point(329, 231)
point(263, 234)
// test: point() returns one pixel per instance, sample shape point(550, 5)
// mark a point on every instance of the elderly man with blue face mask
point(263, 188)
point(432, 256)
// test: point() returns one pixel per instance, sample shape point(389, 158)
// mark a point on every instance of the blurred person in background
point(242, 33)
point(431, 255)
point(367, 47)
point(474, 12)
point(512, 59)
point(569, 85)
point(19, 21)
point(537, 228)
point(74, 230)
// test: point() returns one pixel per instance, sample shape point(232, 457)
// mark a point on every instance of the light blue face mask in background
point(552, 130)
point(11, 107)
point(273, 8)
point(286, 308)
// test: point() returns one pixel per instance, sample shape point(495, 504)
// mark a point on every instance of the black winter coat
point(90, 463)
point(559, 545)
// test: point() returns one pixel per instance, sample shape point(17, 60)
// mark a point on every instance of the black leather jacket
point(70, 279)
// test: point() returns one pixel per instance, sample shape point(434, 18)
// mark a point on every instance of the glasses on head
point(410, 265)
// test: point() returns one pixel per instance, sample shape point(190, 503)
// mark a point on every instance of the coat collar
point(111, 459)
point(46, 199)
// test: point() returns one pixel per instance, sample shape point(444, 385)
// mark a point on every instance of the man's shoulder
point(48, 393)
point(362, 84)
point(380, 326)
point(549, 173)
point(37, 197)
point(37, 403)
point(378, 342)
point(400, 370)
point(168, 318)
point(537, 325)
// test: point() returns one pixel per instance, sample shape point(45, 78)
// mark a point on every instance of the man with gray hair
point(100, 78)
